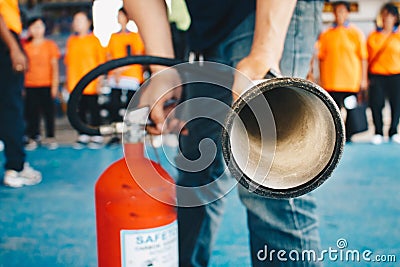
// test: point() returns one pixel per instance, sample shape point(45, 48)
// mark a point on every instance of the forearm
point(152, 21)
point(364, 75)
point(272, 21)
point(364, 69)
point(7, 37)
point(55, 77)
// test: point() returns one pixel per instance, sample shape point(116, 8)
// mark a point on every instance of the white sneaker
point(96, 142)
point(377, 139)
point(396, 138)
point(83, 140)
point(28, 176)
point(50, 143)
point(31, 145)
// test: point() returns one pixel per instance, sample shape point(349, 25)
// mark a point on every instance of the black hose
point(73, 102)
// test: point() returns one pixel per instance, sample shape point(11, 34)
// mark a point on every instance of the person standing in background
point(83, 53)
point(343, 57)
point(41, 84)
point(384, 72)
point(124, 81)
point(13, 63)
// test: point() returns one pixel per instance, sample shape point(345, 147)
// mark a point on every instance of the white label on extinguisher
point(150, 247)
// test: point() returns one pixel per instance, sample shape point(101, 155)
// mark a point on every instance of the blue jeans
point(267, 218)
point(281, 224)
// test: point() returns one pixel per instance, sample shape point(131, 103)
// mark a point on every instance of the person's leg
point(32, 111)
point(376, 101)
point(115, 105)
point(89, 111)
point(96, 141)
point(11, 112)
point(94, 110)
point(281, 224)
point(48, 111)
point(287, 223)
point(338, 98)
point(200, 164)
point(83, 108)
point(393, 93)
point(198, 225)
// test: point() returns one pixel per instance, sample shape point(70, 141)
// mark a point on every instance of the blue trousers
point(11, 111)
point(280, 224)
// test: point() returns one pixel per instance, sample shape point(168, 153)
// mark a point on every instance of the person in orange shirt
point(84, 53)
point(124, 81)
point(41, 83)
point(342, 57)
point(13, 63)
point(384, 72)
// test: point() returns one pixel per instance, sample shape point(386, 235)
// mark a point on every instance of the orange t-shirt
point(341, 51)
point(388, 62)
point(118, 48)
point(9, 10)
point(82, 54)
point(40, 73)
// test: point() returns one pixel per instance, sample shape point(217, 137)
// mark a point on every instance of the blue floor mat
point(53, 224)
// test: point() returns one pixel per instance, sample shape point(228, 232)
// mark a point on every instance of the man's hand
point(272, 21)
point(18, 60)
point(251, 68)
point(54, 91)
point(161, 88)
point(364, 85)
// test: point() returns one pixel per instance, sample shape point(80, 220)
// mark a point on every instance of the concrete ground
point(53, 224)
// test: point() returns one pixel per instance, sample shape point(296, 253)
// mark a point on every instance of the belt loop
point(201, 59)
point(196, 56)
point(192, 57)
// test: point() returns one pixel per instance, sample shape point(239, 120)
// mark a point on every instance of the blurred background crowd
point(355, 61)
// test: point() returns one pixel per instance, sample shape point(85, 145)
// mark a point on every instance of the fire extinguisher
point(136, 221)
point(135, 213)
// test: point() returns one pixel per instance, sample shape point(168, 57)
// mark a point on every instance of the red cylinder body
point(133, 228)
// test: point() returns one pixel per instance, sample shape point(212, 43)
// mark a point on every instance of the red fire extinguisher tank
point(133, 228)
